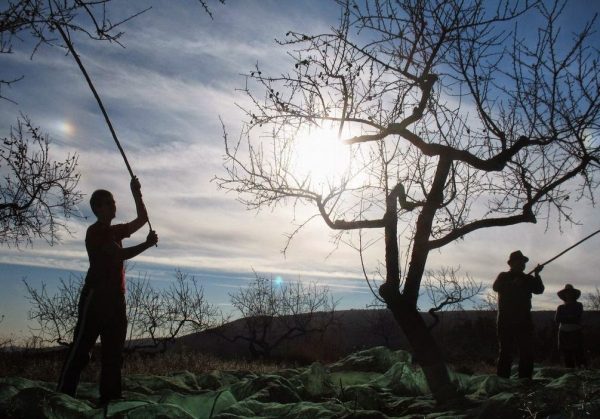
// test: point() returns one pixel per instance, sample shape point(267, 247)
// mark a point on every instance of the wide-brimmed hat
point(517, 256)
point(567, 291)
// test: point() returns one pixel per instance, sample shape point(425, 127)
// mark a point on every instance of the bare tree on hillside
point(447, 290)
point(156, 317)
point(275, 313)
point(4, 340)
point(489, 302)
point(459, 116)
point(37, 193)
point(380, 322)
point(592, 300)
point(55, 314)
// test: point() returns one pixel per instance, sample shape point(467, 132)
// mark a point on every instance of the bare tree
point(39, 18)
point(37, 194)
point(35, 189)
point(380, 322)
point(447, 290)
point(489, 302)
point(273, 313)
point(592, 300)
point(459, 116)
point(55, 314)
point(156, 317)
point(161, 316)
point(5, 341)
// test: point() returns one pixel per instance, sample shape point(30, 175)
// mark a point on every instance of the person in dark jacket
point(102, 309)
point(515, 327)
point(570, 335)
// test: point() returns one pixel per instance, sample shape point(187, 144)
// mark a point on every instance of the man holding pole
point(102, 302)
point(515, 327)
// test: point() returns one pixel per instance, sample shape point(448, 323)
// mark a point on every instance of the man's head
point(103, 205)
point(517, 261)
point(569, 294)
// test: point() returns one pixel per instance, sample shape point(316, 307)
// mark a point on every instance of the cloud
point(164, 93)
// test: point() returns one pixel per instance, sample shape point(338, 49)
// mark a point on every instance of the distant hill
point(466, 337)
point(463, 335)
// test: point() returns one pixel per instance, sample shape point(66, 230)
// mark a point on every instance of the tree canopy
point(459, 115)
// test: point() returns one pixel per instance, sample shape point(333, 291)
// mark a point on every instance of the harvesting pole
point(567, 249)
point(97, 96)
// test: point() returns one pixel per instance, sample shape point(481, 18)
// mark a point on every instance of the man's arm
point(499, 282)
point(142, 214)
point(536, 285)
point(133, 251)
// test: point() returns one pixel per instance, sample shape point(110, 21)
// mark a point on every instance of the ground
point(374, 383)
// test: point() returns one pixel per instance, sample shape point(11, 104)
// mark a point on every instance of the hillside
point(463, 335)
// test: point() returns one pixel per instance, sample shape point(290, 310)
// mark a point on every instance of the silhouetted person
point(515, 327)
point(102, 301)
point(570, 334)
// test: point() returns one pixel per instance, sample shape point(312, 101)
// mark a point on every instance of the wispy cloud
point(165, 92)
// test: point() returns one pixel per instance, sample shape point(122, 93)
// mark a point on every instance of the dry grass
point(194, 362)
point(47, 366)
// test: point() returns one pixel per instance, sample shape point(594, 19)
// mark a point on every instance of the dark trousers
point(570, 345)
point(100, 314)
point(513, 336)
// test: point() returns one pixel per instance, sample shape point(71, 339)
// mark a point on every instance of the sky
point(180, 73)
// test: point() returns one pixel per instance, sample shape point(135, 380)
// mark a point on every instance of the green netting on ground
point(375, 383)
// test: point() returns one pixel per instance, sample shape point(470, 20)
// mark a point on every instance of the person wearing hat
point(570, 335)
point(515, 327)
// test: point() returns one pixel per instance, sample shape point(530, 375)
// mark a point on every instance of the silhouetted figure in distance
point(102, 301)
point(570, 334)
point(515, 327)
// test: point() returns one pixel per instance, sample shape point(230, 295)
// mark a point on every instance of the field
point(378, 382)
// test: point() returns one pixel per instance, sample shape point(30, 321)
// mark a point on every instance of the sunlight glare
point(278, 280)
point(321, 155)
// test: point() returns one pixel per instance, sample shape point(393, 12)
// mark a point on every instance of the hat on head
point(567, 291)
point(517, 256)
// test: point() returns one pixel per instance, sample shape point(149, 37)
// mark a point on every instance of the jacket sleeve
point(121, 231)
point(569, 313)
point(536, 286)
point(559, 316)
point(499, 283)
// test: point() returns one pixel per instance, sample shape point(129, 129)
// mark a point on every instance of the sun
point(320, 155)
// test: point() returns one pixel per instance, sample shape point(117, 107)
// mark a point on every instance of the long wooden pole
point(97, 96)
point(569, 248)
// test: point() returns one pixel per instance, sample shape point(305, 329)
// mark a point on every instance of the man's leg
point(525, 343)
point(506, 349)
point(580, 351)
point(569, 358)
point(567, 345)
point(113, 340)
point(84, 338)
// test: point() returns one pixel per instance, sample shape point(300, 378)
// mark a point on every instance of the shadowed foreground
point(375, 383)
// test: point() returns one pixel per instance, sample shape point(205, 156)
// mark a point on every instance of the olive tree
point(592, 300)
point(35, 190)
point(275, 313)
point(156, 316)
point(458, 116)
point(37, 193)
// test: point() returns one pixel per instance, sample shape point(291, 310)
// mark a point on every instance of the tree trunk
point(426, 352)
point(404, 306)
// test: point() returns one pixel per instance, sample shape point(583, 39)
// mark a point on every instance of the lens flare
point(66, 128)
